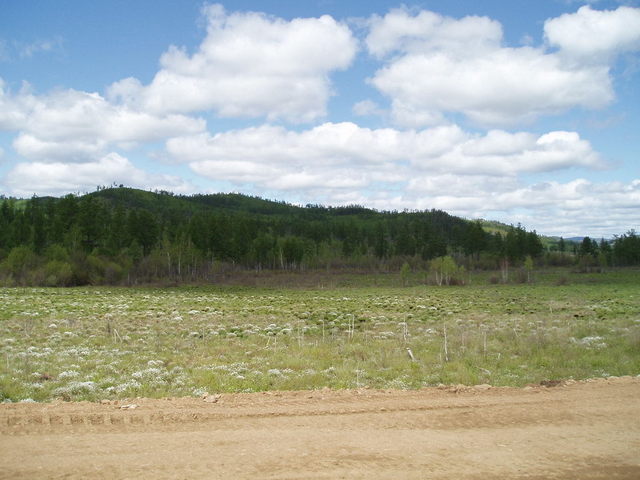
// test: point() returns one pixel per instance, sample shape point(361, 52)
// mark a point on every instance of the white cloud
point(249, 65)
point(366, 108)
point(32, 147)
point(595, 35)
point(26, 179)
point(457, 186)
point(436, 65)
point(72, 125)
point(504, 87)
point(500, 152)
point(399, 31)
point(326, 145)
point(267, 154)
point(74, 114)
point(13, 108)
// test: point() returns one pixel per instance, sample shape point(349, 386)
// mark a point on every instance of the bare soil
point(583, 430)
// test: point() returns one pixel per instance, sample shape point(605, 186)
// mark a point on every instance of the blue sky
point(515, 111)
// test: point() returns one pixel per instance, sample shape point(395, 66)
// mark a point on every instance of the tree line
point(591, 254)
point(127, 236)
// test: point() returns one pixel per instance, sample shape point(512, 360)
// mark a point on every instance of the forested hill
point(159, 203)
point(119, 235)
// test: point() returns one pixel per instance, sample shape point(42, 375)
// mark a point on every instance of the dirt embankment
point(585, 430)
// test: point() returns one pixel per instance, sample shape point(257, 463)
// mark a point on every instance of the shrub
point(405, 271)
point(58, 274)
point(20, 261)
point(447, 271)
point(57, 252)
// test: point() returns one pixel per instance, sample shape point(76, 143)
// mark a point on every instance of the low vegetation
point(385, 331)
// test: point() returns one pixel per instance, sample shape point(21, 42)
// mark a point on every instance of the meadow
point(346, 332)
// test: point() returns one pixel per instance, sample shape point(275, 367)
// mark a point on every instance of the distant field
point(106, 343)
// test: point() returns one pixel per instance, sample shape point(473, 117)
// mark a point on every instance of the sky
point(518, 111)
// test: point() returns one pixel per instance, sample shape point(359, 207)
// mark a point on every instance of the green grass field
point(105, 343)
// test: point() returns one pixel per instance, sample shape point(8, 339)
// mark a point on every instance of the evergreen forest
point(124, 236)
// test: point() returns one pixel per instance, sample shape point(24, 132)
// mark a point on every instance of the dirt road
point(586, 430)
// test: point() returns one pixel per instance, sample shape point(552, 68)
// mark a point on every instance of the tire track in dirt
point(581, 430)
point(293, 404)
point(28, 423)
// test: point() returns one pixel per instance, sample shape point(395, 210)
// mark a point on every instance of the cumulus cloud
point(249, 65)
point(26, 179)
point(504, 87)
point(595, 35)
point(323, 158)
point(399, 31)
point(436, 65)
point(13, 108)
point(69, 150)
point(268, 155)
point(73, 125)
